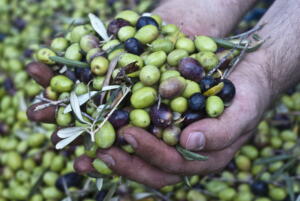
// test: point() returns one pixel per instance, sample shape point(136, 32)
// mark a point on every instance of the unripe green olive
point(276, 142)
point(143, 97)
point(214, 106)
point(250, 151)
point(59, 44)
point(106, 136)
point(149, 75)
point(156, 58)
point(205, 43)
point(137, 86)
point(176, 55)
point(78, 32)
point(289, 135)
point(169, 29)
point(61, 83)
point(275, 166)
point(89, 42)
point(50, 94)
point(191, 88)
point(50, 178)
point(99, 65)
point(47, 159)
point(277, 193)
point(172, 87)
point(101, 167)
point(115, 53)
point(58, 163)
point(36, 139)
point(126, 32)
point(207, 59)
point(98, 82)
point(147, 34)
point(162, 44)
point(14, 160)
point(158, 19)
point(171, 135)
point(128, 58)
point(139, 118)
point(73, 52)
point(169, 73)
point(128, 148)
point(194, 195)
point(92, 54)
point(36, 197)
point(29, 164)
point(44, 54)
point(227, 194)
point(19, 193)
point(129, 16)
point(179, 104)
point(110, 44)
point(287, 101)
point(51, 193)
point(185, 44)
point(63, 119)
point(80, 89)
point(243, 163)
point(64, 95)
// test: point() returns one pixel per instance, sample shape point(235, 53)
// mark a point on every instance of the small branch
point(247, 33)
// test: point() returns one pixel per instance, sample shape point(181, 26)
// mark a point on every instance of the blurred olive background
point(265, 169)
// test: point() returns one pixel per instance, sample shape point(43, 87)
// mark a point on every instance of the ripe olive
point(197, 102)
point(191, 69)
point(228, 91)
point(172, 87)
point(161, 115)
point(145, 20)
point(119, 118)
point(132, 45)
point(115, 25)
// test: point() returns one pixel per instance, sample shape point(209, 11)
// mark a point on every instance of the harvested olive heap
point(136, 71)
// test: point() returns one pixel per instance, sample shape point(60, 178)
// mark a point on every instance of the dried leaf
point(191, 156)
point(98, 26)
point(82, 99)
point(273, 159)
point(76, 107)
point(67, 132)
point(65, 142)
point(69, 62)
point(111, 192)
point(99, 183)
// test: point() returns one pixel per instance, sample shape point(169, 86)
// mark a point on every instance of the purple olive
point(119, 118)
point(3, 128)
point(191, 69)
point(228, 91)
point(156, 131)
point(83, 74)
point(71, 75)
point(190, 117)
point(115, 25)
point(9, 86)
point(171, 135)
point(161, 116)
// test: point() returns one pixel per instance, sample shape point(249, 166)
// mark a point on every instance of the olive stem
point(247, 33)
point(49, 103)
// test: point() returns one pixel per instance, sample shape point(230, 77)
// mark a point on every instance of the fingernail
point(131, 140)
point(196, 141)
point(108, 160)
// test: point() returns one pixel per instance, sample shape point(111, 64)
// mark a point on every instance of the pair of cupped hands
point(156, 164)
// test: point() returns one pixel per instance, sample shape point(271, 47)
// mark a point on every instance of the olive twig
point(247, 33)
point(49, 103)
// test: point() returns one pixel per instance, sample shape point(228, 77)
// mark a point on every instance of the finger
point(40, 72)
point(217, 133)
point(83, 164)
point(136, 169)
point(165, 157)
point(46, 115)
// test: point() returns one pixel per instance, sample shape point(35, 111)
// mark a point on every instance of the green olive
point(36, 139)
point(19, 193)
point(59, 44)
point(106, 136)
point(277, 193)
point(128, 15)
point(80, 89)
point(169, 73)
point(149, 75)
point(61, 83)
point(50, 94)
point(50, 178)
point(51, 193)
point(128, 148)
point(73, 52)
point(89, 42)
point(214, 106)
point(207, 59)
point(78, 32)
point(243, 163)
point(115, 53)
point(99, 65)
point(128, 58)
point(110, 44)
point(92, 54)
point(14, 160)
point(143, 97)
point(250, 151)
point(63, 119)
point(176, 55)
point(158, 19)
point(47, 159)
point(58, 163)
point(137, 86)
point(205, 43)
point(185, 44)
point(98, 82)
point(139, 118)
point(227, 194)
point(179, 104)
point(101, 167)
point(44, 54)
point(171, 135)
point(191, 88)
point(162, 44)
point(126, 32)
point(169, 29)
point(156, 58)
point(147, 34)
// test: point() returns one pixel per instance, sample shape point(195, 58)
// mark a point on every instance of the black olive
point(2, 37)
point(190, 69)
point(156, 131)
point(161, 116)
point(260, 188)
point(3, 128)
point(228, 91)
point(83, 74)
point(119, 118)
point(27, 53)
point(207, 82)
point(9, 86)
point(231, 166)
point(101, 195)
point(282, 121)
point(190, 117)
point(145, 20)
point(69, 180)
point(115, 25)
point(133, 45)
point(19, 23)
point(71, 75)
point(197, 102)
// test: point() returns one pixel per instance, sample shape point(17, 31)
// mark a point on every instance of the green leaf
point(37, 183)
point(290, 187)
point(99, 183)
point(191, 156)
point(187, 181)
point(98, 26)
point(69, 62)
point(273, 159)
point(111, 192)
point(74, 101)
point(298, 198)
point(65, 142)
point(283, 169)
point(82, 99)
point(67, 132)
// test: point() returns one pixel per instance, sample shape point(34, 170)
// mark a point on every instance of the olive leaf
point(82, 99)
point(139, 196)
point(98, 26)
point(75, 105)
point(67, 199)
point(111, 192)
point(290, 187)
point(187, 181)
point(273, 159)
point(37, 183)
point(69, 62)
point(298, 198)
point(190, 156)
point(63, 143)
point(67, 132)
point(283, 169)
point(110, 87)
point(99, 183)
